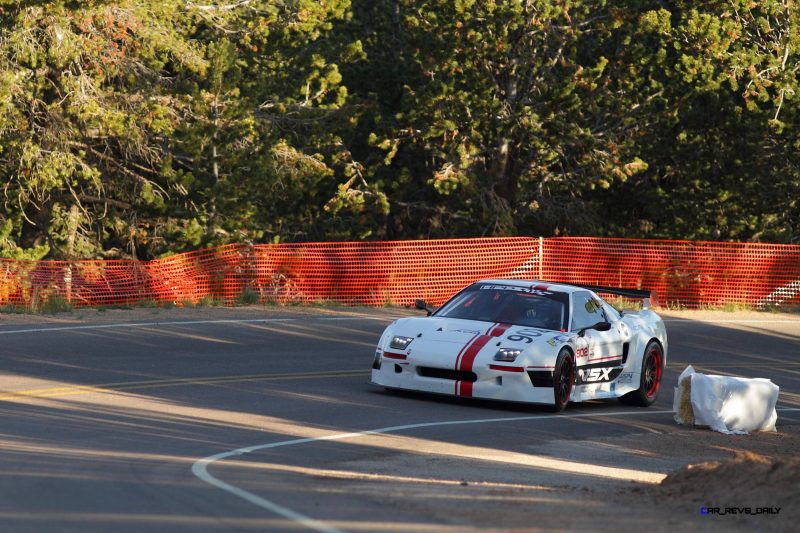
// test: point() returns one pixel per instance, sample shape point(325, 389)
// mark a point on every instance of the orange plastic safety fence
point(395, 272)
point(363, 273)
point(398, 272)
point(686, 273)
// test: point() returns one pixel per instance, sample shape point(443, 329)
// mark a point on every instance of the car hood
point(458, 332)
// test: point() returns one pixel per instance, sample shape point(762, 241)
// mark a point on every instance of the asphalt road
point(263, 419)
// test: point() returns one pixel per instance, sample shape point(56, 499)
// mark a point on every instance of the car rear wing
point(637, 294)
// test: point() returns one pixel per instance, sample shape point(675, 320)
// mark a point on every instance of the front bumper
point(497, 381)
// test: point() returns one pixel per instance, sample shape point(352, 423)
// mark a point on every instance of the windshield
point(509, 304)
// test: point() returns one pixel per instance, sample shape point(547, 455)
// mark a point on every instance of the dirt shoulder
point(744, 482)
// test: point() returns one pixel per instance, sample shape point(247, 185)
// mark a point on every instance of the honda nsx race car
point(527, 341)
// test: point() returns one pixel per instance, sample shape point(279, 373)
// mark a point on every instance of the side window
point(611, 314)
point(587, 311)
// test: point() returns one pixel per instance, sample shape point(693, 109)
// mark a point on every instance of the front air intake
point(541, 378)
point(444, 373)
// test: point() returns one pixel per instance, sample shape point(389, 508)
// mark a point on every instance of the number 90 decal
point(524, 335)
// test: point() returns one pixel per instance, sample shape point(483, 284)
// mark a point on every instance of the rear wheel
point(650, 380)
point(563, 380)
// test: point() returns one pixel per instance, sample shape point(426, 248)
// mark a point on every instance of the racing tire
point(563, 380)
point(650, 380)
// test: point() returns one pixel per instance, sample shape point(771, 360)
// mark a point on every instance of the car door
point(599, 352)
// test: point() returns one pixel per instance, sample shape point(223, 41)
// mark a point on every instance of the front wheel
point(563, 379)
point(650, 380)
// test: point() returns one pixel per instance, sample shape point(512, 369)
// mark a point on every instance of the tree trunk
point(505, 181)
point(35, 225)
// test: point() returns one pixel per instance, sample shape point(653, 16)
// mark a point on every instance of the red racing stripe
point(472, 352)
point(604, 358)
point(464, 348)
point(458, 359)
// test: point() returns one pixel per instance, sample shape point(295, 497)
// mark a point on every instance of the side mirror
point(422, 306)
point(600, 326)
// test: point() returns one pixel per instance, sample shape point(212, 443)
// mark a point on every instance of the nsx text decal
point(594, 375)
point(597, 375)
point(469, 352)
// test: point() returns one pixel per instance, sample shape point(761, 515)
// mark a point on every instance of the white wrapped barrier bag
point(725, 404)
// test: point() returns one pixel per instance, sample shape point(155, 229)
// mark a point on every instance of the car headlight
point(507, 354)
point(400, 343)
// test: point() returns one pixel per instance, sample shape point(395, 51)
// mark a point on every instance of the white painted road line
point(193, 323)
point(200, 467)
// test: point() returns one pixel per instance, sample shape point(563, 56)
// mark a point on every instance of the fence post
point(541, 257)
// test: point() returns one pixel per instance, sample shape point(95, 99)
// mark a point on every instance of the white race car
point(527, 341)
